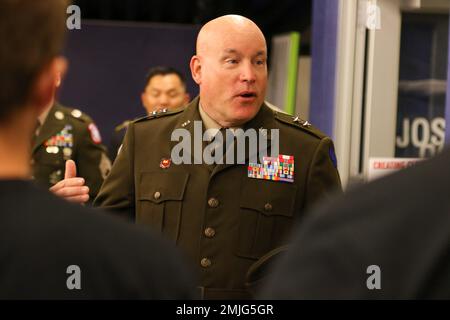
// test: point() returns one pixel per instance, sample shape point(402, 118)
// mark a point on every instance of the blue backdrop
point(108, 63)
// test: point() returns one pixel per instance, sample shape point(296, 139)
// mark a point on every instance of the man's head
point(165, 88)
point(230, 68)
point(32, 34)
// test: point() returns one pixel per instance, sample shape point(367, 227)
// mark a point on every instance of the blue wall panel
point(108, 63)
point(323, 69)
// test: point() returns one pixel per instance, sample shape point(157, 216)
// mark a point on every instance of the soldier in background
point(62, 134)
point(165, 88)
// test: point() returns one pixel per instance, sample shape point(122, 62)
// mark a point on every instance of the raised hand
point(71, 188)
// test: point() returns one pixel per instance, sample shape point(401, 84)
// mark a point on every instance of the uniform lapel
point(187, 121)
point(50, 127)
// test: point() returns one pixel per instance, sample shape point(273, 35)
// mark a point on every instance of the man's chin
point(244, 114)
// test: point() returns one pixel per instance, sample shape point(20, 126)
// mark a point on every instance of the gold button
point(268, 207)
point(213, 202)
point(210, 232)
point(157, 195)
point(205, 263)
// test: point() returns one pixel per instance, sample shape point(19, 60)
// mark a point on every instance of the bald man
point(230, 215)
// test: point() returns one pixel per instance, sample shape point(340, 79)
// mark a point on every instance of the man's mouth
point(247, 94)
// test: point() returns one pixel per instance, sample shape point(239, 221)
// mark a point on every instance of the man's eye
point(260, 62)
point(232, 61)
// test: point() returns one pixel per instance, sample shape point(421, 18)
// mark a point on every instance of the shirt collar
point(43, 116)
point(209, 122)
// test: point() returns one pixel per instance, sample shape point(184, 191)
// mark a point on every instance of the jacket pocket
point(266, 216)
point(160, 200)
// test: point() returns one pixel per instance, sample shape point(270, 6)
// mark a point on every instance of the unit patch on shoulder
point(95, 134)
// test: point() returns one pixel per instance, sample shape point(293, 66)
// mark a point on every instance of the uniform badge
point(165, 163)
point(67, 152)
point(279, 168)
point(63, 139)
point(52, 149)
point(95, 134)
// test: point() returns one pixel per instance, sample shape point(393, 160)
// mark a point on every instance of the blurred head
point(230, 69)
point(165, 88)
point(32, 34)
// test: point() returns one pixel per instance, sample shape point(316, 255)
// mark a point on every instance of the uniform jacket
point(69, 134)
point(224, 220)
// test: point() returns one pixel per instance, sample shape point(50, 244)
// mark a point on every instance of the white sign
point(379, 167)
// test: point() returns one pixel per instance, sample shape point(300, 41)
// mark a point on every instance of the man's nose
point(163, 101)
point(248, 73)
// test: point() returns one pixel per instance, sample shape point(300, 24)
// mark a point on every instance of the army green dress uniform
point(224, 220)
point(69, 134)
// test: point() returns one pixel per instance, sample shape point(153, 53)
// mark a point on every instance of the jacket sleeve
point(92, 159)
point(323, 177)
point(117, 193)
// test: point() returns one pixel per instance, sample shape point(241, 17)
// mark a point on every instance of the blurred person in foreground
point(51, 249)
point(389, 239)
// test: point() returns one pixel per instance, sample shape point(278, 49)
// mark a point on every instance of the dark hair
point(163, 71)
point(31, 35)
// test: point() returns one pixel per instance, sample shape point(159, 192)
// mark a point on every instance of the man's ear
point(44, 87)
point(142, 99)
point(144, 103)
point(196, 69)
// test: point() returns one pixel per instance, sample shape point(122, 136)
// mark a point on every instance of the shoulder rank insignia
point(279, 168)
point(304, 123)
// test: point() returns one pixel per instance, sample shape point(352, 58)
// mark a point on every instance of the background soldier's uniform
point(224, 220)
point(69, 134)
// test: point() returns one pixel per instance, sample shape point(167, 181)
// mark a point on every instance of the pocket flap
point(162, 186)
point(268, 197)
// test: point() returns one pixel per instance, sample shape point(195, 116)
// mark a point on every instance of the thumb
point(71, 169)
